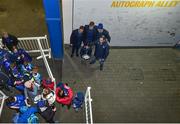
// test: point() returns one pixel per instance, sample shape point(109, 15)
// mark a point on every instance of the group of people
point(88, 37)
point(34, 94)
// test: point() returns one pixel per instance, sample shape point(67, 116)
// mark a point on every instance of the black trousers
point(75, 48)
point(48, 115)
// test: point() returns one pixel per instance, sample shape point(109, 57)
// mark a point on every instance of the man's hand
point(54, 109)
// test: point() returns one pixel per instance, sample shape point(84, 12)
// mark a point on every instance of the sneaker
point(71, 55)
point(77, 55)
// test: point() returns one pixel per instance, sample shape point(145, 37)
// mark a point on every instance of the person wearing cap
point(9, 40)
point(64, 95)
point(101, 52)
point(90, 33)
point(76, 39)
point(102, 32)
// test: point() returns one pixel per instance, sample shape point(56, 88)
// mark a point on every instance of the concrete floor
point(137, 85)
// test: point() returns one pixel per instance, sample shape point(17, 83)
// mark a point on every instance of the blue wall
point(54, 23)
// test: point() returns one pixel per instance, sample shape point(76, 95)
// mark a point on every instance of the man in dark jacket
point(90, 33)
point(101, 51)
point(76, 39)
point(9, 40)
point(20, 55)
point(102, 32)
point(85, 50)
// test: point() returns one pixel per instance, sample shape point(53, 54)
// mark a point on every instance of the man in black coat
point(9, 40)
point(76, 39)
point(90, 33)
point(102, 32)
point(101, 51)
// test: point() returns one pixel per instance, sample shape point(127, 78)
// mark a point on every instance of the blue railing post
point(54, 24)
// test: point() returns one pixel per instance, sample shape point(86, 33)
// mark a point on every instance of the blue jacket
point(16, 73)
point(90, 35)
point(37, 77)
point(6, 64)
point(3, 53)
point(76, 38)
point(104, 33)
point(20, 101)
point(25, 113)
point(5, 60)
point(101, 50)
point(26, 68)
point(21, 55)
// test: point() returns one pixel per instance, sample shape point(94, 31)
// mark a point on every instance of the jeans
point(75, 48)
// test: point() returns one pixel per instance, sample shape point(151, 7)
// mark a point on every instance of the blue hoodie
point(26, 113)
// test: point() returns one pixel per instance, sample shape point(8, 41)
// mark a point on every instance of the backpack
point(78, 100)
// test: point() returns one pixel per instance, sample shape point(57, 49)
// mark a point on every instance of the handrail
point(46, 62)
point(88, 106)
point(2, 103)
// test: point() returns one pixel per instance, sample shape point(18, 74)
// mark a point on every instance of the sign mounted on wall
point(148, 3)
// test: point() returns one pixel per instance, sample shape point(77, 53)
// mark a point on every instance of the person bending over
point(64, 95)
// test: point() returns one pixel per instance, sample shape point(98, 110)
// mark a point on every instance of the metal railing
point(2, 99)
point(36, 45)
point(45, 61)
point(88, 106)
point(30, 44)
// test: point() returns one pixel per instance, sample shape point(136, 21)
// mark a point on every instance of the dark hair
point(48, 91)
point(10, 99)
point(103, 37)
point(81, 27)
point(91, 23)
